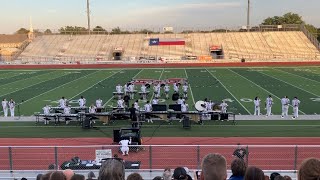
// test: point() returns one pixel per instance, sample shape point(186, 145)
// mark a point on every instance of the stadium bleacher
point(263, 45)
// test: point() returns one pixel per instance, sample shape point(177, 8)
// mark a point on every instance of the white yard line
point(104, 105)
point(94, 84)
point(32, 85)
point(57, 88)
point(296, 75)
point(260, 87)
point(229, 92)
point(290, 84)
point(194, 102)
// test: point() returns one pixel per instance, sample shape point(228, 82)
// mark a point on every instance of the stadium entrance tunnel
point(216, 52)
point(117, 53)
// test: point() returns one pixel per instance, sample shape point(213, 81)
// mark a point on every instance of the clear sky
point(138, 14)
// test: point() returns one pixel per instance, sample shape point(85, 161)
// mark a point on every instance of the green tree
point(99, 30)
point(47, 31)
point(288, 18)
point(22, 31)
point(116, 30)
point(73, 30)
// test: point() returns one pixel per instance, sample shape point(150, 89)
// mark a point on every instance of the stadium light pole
point(88, 15)
point(248, 17)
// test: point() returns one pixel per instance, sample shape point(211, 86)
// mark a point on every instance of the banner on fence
point(103, 154)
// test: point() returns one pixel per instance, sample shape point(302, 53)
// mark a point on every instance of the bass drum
point(200, 106)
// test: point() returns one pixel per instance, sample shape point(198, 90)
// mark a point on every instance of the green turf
point(162, 129)
point(238, 85)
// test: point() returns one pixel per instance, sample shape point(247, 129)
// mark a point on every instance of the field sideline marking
point(58, 87)
point(95, 84)
point(229, 91)
point(33, 84)
point(261, 88)
point(104, 105)
point(190, 87)
point(290, 84)
point(295, 75)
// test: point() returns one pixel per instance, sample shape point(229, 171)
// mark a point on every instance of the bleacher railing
point(153, 157)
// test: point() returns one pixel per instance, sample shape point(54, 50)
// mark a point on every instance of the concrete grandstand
point(275, 43)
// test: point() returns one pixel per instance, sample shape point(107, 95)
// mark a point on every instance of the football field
point(32, 89)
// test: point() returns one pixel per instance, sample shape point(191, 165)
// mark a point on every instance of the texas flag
point(167, 42)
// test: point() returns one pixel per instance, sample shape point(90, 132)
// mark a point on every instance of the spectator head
point(112, 169)
point(279, 178)
point(254, 173)
point(134, 176)
point(287, 177)
point(78, 177)
point(24, 178)
point(214, 167)
point(68, 173)
point(238, 167)
point(309, 169)
point(91, 175)
point(273, 175)
point(39, 176)
point(180, 174)
point(57, 175)
point(46, 176)
point(158, 178)
point(167, 174)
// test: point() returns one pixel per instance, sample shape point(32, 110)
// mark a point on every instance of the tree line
point(288, 18)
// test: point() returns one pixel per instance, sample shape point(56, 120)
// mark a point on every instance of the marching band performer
point(295, 105)
point(155, 100)
point(46, 110)
point(180, 100)
point(184, 107)
point(99, 103)
point(67, 110)
point(257, 103)
point(125, 89)
point(148, 109)
point(92, 109)
point(210, 106)
point(285, 102)
point(131, 91)
point(224, 106)
point(176, 87)
point(5, 107)
point(119, 90)
point(144, 91)
point(166, 90)
point(156, 89)
point(269, 103)
point(120, 103)
point(136, 105)
point(82, 102)
point(62, 102)
point(185, 90)
point(12, 105)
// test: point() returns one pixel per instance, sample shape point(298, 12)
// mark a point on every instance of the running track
point(268, 158)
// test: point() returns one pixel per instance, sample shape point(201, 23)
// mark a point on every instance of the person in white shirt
point(46, 110)
point(12, 106)
point(180, 100)
point(82, 102)
point(257, 103)
point(176, 87)
point(99, 103)
point(131, 91)
point(148, 109)
point(224, 106)
point(125, 89)
point(269, 103)
point(295, 104)
point(62, 102)
point(119, 88)
point(156, 89)
point(67, 110)
point(144, 91)
point(185, 90)
point(155, 100)
point(136, 105)
point(5, 107)
point(166, 90)
point(285, 102)
point(92, 109)
point(125, 146)
point(184, 107)
point(210, 106)
point(120, 103)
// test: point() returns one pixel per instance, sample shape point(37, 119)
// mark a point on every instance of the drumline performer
point(82, 102)
point(144, 91)
point(155, 100)
point(12, 105)
point(257, 103)
point(120, 103)
point(5, 107)
point(62, 102)
point(185, 90)
point(148, 109)
point(285, 102)
point(295, 105)
point(136, 105)
point(99, 103)
point(46, 111)
point(269, 103)
point(166, 90)
point(176, 87)
point(131, 91)
point(67, 110)
point(92, 110)
point(119, 90)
